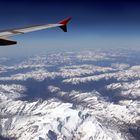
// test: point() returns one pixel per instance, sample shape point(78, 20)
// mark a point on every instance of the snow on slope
point(125, 75)
point(76, 107)
point(51, 118)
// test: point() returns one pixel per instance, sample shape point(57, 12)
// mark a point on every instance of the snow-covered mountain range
point(92, 95)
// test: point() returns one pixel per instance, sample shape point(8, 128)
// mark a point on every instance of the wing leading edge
point(12, 32)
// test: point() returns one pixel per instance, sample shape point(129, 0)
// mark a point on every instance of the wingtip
point(65, 21)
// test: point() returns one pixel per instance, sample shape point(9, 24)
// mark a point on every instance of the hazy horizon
point(95, 24)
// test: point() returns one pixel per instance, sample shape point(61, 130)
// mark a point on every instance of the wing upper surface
point(12, 32)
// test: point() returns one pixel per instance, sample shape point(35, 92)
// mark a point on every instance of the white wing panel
point(13, 32)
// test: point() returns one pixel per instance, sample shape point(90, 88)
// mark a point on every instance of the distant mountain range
point(71, 96)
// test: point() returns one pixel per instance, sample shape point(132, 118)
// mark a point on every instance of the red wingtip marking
point(65, 21)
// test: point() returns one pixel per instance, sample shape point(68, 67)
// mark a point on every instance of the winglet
point(64, 24)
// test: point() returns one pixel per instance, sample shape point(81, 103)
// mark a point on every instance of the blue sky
point(95, 24)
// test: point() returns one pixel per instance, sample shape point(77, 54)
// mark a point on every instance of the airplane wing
point(12, 32)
